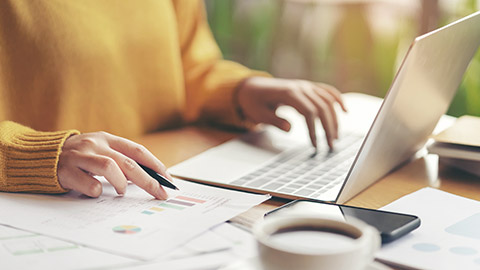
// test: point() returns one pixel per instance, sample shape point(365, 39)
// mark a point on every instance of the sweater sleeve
point(210, 81)
point(29, 158)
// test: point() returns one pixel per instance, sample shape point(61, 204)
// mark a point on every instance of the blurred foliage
point(244, 37)
point(352, 49)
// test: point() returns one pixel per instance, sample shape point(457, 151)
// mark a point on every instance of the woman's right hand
point(113, 157)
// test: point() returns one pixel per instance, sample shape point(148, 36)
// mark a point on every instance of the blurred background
point(356, 45)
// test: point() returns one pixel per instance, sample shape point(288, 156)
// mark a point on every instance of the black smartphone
point(391, 225)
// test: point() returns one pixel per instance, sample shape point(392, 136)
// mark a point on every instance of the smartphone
point(391, 225)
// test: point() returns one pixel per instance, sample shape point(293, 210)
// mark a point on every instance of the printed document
point(216, 247)
point(448, 238)
point(135, 225)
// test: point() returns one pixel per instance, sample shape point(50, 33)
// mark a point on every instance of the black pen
point(160, 178)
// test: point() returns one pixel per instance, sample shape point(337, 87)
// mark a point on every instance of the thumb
point(278, 122)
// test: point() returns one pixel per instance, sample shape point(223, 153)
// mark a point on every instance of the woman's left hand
point(259, 97)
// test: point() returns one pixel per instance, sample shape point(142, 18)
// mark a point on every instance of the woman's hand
point(110, 156)
point(259, 98)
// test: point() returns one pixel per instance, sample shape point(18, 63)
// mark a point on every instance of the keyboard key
point(273, 186)
point(283, 170)
point(287, 190)
point(316, 186)
point(338, 173)
point(296, 175)
point(295, 186)
point(305, 192)
point(298, 171)
point(258, 183)
point(310, 178)
point(239, 182)
point(302, 182)
point(329, 177)
point(275, 175)
point(283, 180)
point(321, 179)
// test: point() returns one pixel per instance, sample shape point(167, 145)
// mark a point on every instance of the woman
point(69, 69)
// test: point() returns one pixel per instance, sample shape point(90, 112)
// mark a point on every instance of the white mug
point(315, 243)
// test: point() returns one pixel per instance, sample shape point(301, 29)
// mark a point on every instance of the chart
point(132, 225)
point(25, 250)
point(127, 229)
point(448, 238)
point(177, 203)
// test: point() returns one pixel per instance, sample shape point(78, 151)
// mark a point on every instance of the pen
point(160, 178)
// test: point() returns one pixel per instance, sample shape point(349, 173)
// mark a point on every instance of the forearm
point(210, 81)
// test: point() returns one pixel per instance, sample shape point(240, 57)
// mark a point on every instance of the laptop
point(376, 135)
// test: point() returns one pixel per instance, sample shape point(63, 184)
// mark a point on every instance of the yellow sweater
point(125, 67)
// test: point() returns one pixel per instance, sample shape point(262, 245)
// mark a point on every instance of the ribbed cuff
point(31, 161)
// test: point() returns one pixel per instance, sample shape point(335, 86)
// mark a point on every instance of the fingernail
point(285, 126)
point(121, 192)
point(161, 194)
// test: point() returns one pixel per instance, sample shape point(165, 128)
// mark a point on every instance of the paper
point(218, 246)
point(22, 250)
point(224, 237)
point(455, 151)
point(198, 253)
point(459, 141)
point(136, 225)
point(463, 132)
point(448, 238)
point(208, 261)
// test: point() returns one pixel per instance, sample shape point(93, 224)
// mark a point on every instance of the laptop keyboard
point(301, 173)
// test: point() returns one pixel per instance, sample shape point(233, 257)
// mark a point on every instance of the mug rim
point(354, 229)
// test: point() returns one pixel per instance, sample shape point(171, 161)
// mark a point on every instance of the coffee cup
point(309, 242)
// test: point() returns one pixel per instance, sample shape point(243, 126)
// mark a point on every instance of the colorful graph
point(127, 229)
point(190, 199)
point(180, 202)
point(36, 244)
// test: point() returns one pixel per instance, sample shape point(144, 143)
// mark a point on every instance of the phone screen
point(391, 225)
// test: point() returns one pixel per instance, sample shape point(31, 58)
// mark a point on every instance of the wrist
point(237, 103)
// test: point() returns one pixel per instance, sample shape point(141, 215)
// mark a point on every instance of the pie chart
point(127, 229)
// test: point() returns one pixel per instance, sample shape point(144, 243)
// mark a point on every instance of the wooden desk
point(174, 146)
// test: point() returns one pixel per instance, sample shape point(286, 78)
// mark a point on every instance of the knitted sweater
point(127, 67)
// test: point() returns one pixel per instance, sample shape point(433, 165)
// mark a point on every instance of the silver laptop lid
point(420, 94)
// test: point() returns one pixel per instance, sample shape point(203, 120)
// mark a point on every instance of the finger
point(330, 103)
point(75, 179)
point(305, 107)
point(268, 116)
point(101, 165)
point(329, 121)
point(311, 130)
point(139, 177)
point(139, 154)
point(322, 112)
point(335, 93)
point(324, 103)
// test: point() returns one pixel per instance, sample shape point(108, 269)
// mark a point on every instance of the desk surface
point(174, 146)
